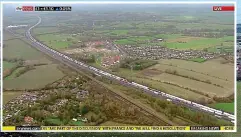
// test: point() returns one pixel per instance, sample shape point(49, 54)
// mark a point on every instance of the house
point(84, 120)
point(160, 40)
point(82, 94)
point(28, 119)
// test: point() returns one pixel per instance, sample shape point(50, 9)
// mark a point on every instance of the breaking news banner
point(114, 128)
point(44, 8)
point(223, 8)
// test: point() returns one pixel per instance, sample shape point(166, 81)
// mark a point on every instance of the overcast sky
point(238, 3)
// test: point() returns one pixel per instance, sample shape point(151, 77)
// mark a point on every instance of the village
point(13, 107)
point(153, 53)
point(52, 100)
point(160, 52)
point(107, 54)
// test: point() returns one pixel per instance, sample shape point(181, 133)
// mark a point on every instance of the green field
point(228, 47)
point(21, 31)
point(41, 30)
point(7, 36)
point(125, 42)
point(200, 25)
point(200, 43)
point(7, 65)
point(54, 121)
point(156, 78)
point(12, 76)
point(134, 40)
point(77, 123)
point(228, 107)
point(172, 41)
point(56, 41)
point(19, 49)
point(112, 123)
point(168, 36)
point(57, 121)
point(119, 32)
point(188, 17)
point(36, 78)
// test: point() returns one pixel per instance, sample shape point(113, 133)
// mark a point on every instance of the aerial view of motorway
point(119, 65)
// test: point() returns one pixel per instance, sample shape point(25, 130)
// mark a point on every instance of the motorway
point(80, 65)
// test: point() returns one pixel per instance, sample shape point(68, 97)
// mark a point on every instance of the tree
point(205, 50)
point(69, 39)
point(93, 118)
point(131, 111)
point(18, 118)
point(21, 62)
point(84, 110)
point(61, 116)
point(162, 104)
point(202, 100)
point(173, 110)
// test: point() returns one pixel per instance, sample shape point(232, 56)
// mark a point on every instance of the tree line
point(136, 64)
point(171, 110)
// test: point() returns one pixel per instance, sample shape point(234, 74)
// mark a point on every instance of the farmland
point(7, 35)
point(200, 60)
point(20, 31)
point(200, 71)
point(56, 41)
point(229, 107)
point(16, 49)
point(143, 29)
point(193, 81)
point(215, 67)
point(166, 87)
point(111, 123)
point(10, 95)
point(211, 90)
point(176, 41)
point(197, 43)
point(34, 78)
point(42, 30)
point(19, 49)
point(13, 75)
point(7, 65)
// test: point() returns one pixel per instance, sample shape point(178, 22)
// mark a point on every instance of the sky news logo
point(19, 9)
point(25, 8)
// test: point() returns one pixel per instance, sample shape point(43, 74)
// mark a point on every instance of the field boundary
point(195, 71)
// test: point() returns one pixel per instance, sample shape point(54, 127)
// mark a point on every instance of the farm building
point(28, 119)
point(160, 40)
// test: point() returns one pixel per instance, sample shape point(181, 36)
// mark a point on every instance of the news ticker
point(69, 8)
point(44, 8)
point(115, 128)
